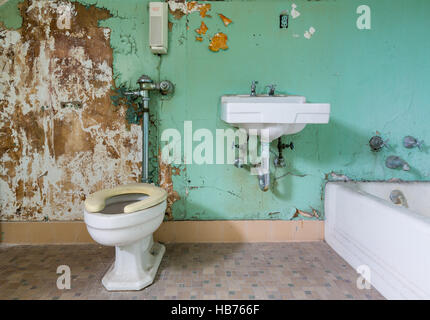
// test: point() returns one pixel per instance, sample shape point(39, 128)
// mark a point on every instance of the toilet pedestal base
point(135, 265)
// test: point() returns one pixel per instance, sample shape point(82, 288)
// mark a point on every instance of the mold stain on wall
point(60, 137)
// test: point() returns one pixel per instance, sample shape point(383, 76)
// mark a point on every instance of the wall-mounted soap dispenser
point(158, 24)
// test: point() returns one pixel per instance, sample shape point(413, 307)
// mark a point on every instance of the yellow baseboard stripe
point(243, 231)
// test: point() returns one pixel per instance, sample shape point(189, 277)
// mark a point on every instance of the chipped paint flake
point(191, 5)
point(204, 9)
point(180, 9)
point(294, 13)
point(309, 33)
point(203, 28)
point(333, 176)
point(52, 157)
point(301, 213)
point(165, 173)
point(224, 19)
point(218, 41)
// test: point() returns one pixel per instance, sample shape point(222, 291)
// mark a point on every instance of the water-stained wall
point(60, 137)
point(375, 80)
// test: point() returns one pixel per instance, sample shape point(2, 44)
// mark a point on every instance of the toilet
point(126, 217)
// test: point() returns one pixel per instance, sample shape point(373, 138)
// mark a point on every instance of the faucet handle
point(272, 89)
point(137, 94)
point(132, 93)
point(253, 87)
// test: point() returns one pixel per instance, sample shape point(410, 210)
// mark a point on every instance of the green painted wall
point(9, 14)
point(375, 80)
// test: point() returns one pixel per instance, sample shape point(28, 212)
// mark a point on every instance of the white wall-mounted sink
point(280, 114)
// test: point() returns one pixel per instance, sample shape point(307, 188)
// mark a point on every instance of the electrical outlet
point(283, 21)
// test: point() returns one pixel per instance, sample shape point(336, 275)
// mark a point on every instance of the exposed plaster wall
point(60, 137)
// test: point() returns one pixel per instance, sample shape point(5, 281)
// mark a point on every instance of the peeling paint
point(294, 13)
point(203, 28)
point(309, 33)
point(333, 176)
point(180, 9)
point(204, 9)
point(165, 173)
point(340, 145)
point(301, 213)
point(218, 41)
point(224, 19)
point(133, 114)
point(54, 153)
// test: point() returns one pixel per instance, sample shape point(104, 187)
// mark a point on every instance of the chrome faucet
point(253, 87)
point(272, 89)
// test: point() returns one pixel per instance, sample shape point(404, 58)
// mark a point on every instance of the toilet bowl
point(126, 217)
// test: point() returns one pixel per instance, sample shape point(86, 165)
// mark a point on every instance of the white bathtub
point(364, 227)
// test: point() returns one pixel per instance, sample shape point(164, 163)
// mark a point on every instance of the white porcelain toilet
point(126, 217)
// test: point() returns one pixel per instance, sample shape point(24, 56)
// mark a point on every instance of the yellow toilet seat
point(96, 201)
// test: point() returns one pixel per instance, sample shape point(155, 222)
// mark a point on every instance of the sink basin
point(280, 114)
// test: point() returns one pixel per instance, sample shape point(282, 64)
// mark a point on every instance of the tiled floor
point(309, 270)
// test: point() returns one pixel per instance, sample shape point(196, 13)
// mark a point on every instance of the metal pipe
point(264, 169)
point(145, 133)
point(264, 182)
point(145, 85)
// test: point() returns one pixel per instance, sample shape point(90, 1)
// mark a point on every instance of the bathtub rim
point(387, 280)
point(408, 213)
